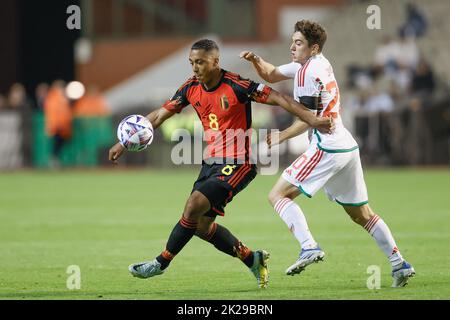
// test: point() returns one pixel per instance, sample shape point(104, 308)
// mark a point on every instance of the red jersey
point(225, 112)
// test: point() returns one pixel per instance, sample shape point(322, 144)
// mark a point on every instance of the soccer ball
point(135, 132)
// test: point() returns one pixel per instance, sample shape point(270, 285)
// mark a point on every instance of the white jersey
point(316, 79)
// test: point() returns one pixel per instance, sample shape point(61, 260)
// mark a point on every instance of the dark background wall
point(9, 33)
point(35, 44)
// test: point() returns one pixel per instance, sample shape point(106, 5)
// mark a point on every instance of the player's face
point(300, 50)
point(203, 64)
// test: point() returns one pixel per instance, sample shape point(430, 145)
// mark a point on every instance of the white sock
point(293, 216)
point(383, 236)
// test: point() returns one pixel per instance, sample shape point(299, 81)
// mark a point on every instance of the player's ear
point(216, 61)
point(315, 49)
point(214, 55)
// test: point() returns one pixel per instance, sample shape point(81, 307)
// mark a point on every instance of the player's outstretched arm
point(265, 70)
point(323, 124)
point(277, 137)
point(156, 117)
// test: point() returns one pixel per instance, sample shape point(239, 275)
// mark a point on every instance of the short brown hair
point(313, 32)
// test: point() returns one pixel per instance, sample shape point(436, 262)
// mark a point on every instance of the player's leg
point(223, 240)
point(348, 188)
point(372, 223)
point(379, 230)
point(307, 175)
point(220, 192)
point(196, 205)
point(281, 198)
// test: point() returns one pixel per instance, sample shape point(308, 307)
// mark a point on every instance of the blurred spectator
point(91, 104)
point(395, 55)
point(378, 101)
point(19, 102)
point(40, 95)
point(373, 99)
point(17, 98)
point(58, 119)
point(387, 54)
point(422, 83)
point(409, 53)
point(401, 79)
point(416, 22)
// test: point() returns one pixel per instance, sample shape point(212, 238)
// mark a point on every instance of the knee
point(360, 215)
point(191, 212)
point(358, 220)
point(273, 197)
point(195, 207)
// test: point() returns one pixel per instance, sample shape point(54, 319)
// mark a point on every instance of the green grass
point(104, 220)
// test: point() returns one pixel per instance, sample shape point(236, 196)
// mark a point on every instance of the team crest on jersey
point(320, 83)
point(224, 104)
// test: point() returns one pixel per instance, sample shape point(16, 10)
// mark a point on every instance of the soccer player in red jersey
point(222, 101)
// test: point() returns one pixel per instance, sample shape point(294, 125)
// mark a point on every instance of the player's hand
point(249, 56)
point(273, 139)
point(115, 152)
point(325, 124)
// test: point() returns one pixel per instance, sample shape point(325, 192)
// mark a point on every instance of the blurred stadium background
point(129, 56)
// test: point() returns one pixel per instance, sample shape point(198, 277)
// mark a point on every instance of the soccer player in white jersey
point(331, 162)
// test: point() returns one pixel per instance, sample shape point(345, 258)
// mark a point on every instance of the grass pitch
point(102, 221)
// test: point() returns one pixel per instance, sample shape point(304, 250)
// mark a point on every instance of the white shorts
point(339, 173)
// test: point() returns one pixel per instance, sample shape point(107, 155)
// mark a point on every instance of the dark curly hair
point(313, 32)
